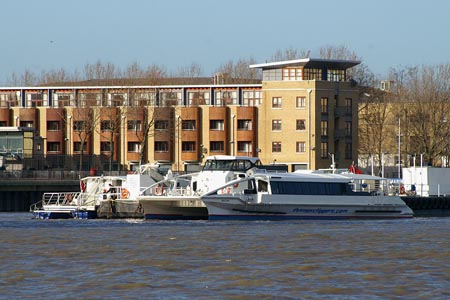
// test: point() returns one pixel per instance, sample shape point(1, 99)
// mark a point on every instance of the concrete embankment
point(18, 195)
point(429, 206)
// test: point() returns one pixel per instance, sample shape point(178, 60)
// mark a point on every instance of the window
point(251, 98)
point(134, 147)
point(134, 125)
point(90, 99)
point(53, 147)
point(226, 98)
point(244, 125)
point(188, 147)
point(9, 100)
point(106, 125)
point(161, 147)
point(53, 125)
point(216, 125)
point(216, 146)
point(300, 102)
point(198, 98)
point(143, 99)
point(276, 125)
point(244, 146)
point(106, 146)
point(63, 100)
point(292, 73)
point(77, 147)
point(312, 74)
point(118, 100)
point(276, 146)
point(348, 105)
point(78, 125)
point(3, 123)
point(300, 124)
point(324, 150)
point(300, 147)
point(170, 98)
point(276, 102)
point(324, 105)
point(188, 124)
point(348, 129)
point(161, 125)
point(324, 128)
point(28, 124)
point(36, 100)
point(335, 75)
point(348, 151)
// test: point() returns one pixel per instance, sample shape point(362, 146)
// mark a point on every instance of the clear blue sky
point(50, 34)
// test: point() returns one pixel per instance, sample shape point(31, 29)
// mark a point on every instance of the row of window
point(136, 125)
point(300, 102)
point(138, 99)
point(300, 147)
point(300, 73)
point(190, 146)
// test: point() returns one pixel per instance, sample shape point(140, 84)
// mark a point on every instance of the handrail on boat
point(56, 198)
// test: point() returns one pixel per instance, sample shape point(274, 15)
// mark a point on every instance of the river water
point(143, 259)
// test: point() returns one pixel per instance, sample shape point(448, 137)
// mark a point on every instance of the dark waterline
point(143, 259)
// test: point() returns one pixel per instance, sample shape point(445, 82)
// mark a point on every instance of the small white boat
point(99, 197)
point(179, 197)
point(312, 195)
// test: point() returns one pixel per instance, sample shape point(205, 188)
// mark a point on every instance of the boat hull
point(111, 209)
point(222, 208)
point(174, 208)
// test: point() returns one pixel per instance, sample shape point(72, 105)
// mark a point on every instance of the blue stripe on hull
point(294, 217)
point(174, 217)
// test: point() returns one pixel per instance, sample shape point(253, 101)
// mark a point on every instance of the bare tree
point(375, 117)
point(85, 122)
point(238, 71)
point(110, 125)
point(426, 109)
point(360, 73)
point(289, 54)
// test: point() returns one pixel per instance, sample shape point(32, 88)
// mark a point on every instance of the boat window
point(227, 165)
point(262, 186)
point(308, 188)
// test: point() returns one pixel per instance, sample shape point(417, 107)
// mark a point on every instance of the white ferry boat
point(99, 197)
point(179, 197)
point(313, 195)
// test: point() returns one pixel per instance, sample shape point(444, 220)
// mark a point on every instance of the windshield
point(228, 165)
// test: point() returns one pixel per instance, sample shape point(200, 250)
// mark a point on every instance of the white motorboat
point(312, 195)
point(99, 197)
point(179, 197)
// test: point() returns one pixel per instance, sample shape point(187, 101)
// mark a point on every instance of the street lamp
point(232, 134)
point(123, 152)
point(178, 142)
point(69, 135)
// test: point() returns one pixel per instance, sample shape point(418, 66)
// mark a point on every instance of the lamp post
point(69, 135)
point(123, 152)
point(399, 153)
point(232, 134)
point(178, 142)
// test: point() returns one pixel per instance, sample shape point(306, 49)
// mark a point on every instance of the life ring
point(125, 194)
point(226, 190)
point(236, 185)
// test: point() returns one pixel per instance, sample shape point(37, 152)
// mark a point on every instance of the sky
point(46, 35)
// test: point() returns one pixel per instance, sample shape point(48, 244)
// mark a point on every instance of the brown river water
point(143, 259)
